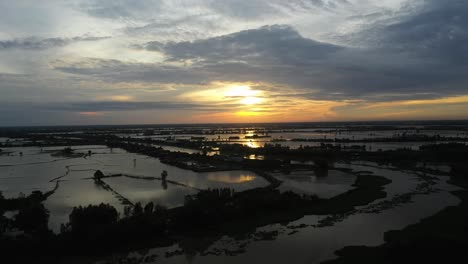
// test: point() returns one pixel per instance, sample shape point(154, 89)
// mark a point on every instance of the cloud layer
point(341, 55)
point(34, 43)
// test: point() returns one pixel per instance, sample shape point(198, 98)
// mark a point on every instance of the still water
point(310, 243)
point(41, 169)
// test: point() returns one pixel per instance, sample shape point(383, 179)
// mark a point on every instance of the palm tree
point(164, 175)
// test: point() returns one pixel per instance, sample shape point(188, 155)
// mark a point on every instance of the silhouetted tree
point(98, 174)
point(148, 209)
point(164, 175)
point(67, 150)
point(33, 218)
point(137, 209)
point(92, 218)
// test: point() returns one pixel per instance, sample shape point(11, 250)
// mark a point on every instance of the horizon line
point(239, 123)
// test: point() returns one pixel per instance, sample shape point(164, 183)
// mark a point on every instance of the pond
point(310, 239)
point(41, 169)
point(307, 182)
point(305, 241)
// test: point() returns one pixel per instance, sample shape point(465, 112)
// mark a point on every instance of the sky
point(80, 62)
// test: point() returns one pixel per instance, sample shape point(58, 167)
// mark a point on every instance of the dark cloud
point(438, 30)
point(111, 106)
point(34, 43)
point(101, 112)
point(119, 71)
point(269, 44)
point(99, 106)
point(420, 55)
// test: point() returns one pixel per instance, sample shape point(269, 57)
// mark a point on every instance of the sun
point(250, 100)
point(246, 95)
point(240, 91)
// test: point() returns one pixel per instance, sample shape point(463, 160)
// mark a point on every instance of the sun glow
point(258, 102)
point(247, 113)
point(251, 100)
point(246, 95)
point(240, 91)
point(231, 179)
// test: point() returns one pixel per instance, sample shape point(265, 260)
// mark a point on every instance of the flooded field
point(309, 241)
point(324, 186)
point(37, 169)
point(296, 138)
point(290, 203)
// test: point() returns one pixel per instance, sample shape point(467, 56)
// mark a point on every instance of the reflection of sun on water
point(231, 179)
point(252, 144)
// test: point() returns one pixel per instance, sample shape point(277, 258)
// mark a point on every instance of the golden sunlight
point(240, 91)
point(247, 113)
point(90, 114)
point(251, 100)
point(231, 179)
point(247, 95)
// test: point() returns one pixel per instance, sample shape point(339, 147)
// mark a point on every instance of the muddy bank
point(441, 238)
